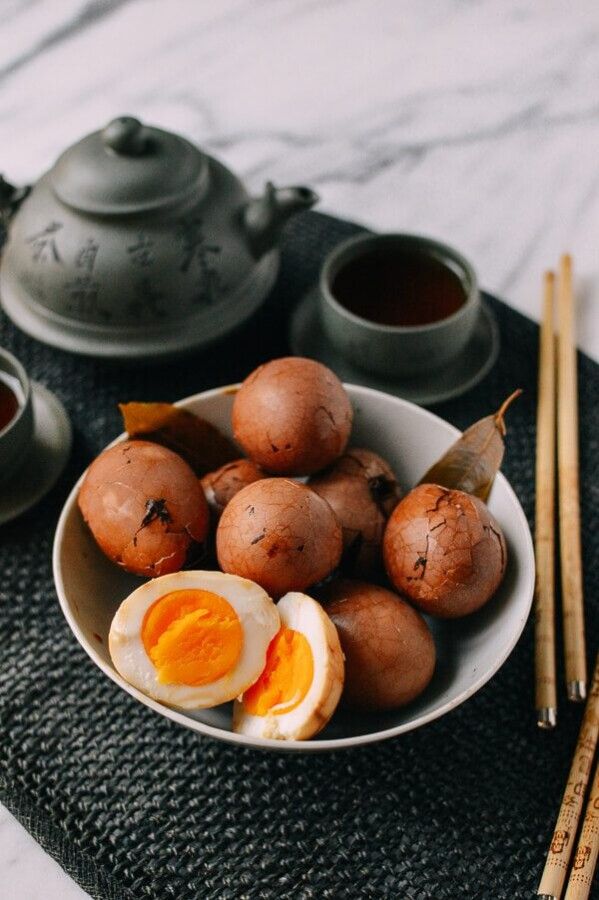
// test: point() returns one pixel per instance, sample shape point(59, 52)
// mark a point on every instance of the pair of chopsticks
point(565, 397)
point(562, 843)
point(569, 502)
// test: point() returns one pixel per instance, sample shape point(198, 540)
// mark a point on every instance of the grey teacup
point(398, 350)
point(16, 437)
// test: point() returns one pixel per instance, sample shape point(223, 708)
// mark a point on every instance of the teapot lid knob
point(125, 135)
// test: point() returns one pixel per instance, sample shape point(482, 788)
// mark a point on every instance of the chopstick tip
point(549, 277)
point(566, 261)
point(577, 691)
point(547, 717)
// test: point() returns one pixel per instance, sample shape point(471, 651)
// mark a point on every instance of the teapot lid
point(128, 167)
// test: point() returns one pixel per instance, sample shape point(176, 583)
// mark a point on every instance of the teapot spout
point(264, 217)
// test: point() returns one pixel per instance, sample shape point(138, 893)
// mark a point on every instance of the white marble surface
point(26, 871)
point(475, 121)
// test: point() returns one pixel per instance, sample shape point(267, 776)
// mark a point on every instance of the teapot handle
point(11, 198)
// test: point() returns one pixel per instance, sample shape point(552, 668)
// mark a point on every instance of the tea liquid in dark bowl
point(402, 289)
point(10, 398)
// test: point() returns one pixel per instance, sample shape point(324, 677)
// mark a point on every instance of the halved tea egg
point(299, 689)
point(193, 639)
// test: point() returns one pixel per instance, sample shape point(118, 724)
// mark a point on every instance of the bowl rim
point(316, 744)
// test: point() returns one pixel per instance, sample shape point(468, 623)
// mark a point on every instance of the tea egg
point(280, 534)
point(362, 491)
point(444, 550)
point(193, 639)
point(299, 689)
point(221, 485)
point(292, 416)
point(145, 507)
point(388, 646)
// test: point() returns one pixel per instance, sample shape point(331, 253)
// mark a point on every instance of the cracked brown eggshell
point(280, 534)
point(292, 416)
point(221, 485)
point(144, 506)
point(444, 550)
point(362, 491)
point(388, 647)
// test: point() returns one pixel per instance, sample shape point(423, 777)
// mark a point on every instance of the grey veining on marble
point(473, 122)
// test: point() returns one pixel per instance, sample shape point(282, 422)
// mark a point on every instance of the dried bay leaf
point(471, 463)
point(202, 445)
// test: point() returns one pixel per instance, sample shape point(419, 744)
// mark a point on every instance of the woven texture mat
point(133, 806)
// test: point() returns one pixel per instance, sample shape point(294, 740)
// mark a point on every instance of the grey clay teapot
point(138, 245)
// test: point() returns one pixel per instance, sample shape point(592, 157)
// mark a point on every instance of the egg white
point(257, 614)
point(301, 613)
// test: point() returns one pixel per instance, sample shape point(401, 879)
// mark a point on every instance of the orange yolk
point(193, 637)
point(286, 678)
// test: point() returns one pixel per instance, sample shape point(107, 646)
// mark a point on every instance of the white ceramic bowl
point(469, 650)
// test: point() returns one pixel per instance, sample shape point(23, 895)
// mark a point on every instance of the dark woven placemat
point(134, 806)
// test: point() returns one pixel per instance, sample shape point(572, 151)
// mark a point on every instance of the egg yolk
point(286, 678)
point(193, 637)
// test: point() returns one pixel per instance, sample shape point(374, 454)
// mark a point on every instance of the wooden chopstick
point(587, 851)
point(569, 500)
point(545, 681)
point(562, 842)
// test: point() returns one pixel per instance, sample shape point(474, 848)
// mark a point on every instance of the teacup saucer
point(307, 338)
point(45, 460)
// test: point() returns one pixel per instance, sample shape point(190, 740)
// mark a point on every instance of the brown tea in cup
point(406, 289)
point(9, 399)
